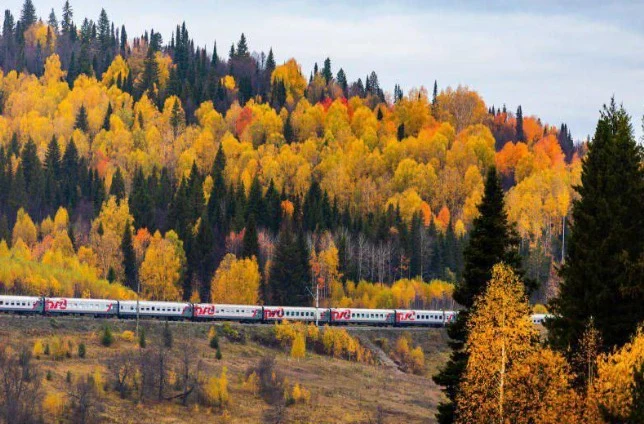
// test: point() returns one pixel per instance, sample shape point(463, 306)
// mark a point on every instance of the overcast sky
point(560, 62)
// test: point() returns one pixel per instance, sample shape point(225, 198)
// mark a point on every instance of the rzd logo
point(406, 316)
point(341, 315)
point(59, 304)
point(273, 313)
point(205, 310)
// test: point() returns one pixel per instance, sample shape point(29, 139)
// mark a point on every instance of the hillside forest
point(217, 174)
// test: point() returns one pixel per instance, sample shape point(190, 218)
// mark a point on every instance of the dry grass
point(341, 391)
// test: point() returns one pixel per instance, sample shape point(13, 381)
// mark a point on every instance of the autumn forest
point(214, 173)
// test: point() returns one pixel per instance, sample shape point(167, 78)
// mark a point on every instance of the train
point(127, 309)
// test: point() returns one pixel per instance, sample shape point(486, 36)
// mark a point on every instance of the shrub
point(410, 360)
point(214, 342)
point(81, 350)
point(47, 350)
point(53, 404)
point(49, 377)
point(298, 349)
point(300, 394)
point(215, 390)
point(338, 343)
point(142, 341)
point(107, 338)
point(251, 384)
point(68, 377)
point(127, 336)
point(230, 333)
point(218, 354)
point(38, 349)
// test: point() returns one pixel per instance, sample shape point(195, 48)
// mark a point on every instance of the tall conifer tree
point(492, 240)
point(603, 275)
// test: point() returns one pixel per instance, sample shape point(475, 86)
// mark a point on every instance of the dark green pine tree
point(273, 206)
point(341, 78)
point(288, 130)
point(326, 70)
point(255, 204)
point(250, 243)
point(117, 188)
point(5, 234)
point(69, 180)
point(81, 119)
point(492, 240)
point(28, 14)
point(108, 113)
point(52, 174)
point(519, 126)
point(129, 258)
point(34, 179)
point(290, 272)
point(140, 201)
point(603, 275)
point(401, 131)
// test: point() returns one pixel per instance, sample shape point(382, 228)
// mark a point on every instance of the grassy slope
point(341, 391)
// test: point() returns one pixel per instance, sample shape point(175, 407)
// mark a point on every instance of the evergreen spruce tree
point(341, 78)
point(81, 119)
point(519, 127)
point(129, 258)
point(604, 267)
point(108, 113)
point(492, 240)
point(290, 272)
point(70, 172)
point(140, 201)
point(27, 14)
point(326, 70)
point(117, 189)
point(250, 244)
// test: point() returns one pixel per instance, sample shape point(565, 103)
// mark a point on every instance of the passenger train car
point(52, 306)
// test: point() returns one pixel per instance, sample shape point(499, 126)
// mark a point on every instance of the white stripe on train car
point(231, 312)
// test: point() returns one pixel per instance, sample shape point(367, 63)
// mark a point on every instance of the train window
point(1, 302)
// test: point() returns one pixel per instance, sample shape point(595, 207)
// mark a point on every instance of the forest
point(134, 163)
point(130, 159)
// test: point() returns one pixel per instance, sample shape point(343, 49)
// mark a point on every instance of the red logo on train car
point(407, 316)
point(273, 313)
point(59, 304)
point(341, 315)
point(205, 310)
point(109, 307)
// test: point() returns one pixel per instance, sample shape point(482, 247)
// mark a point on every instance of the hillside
point(340, 390)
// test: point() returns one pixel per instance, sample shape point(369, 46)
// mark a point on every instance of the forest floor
point(342, 391)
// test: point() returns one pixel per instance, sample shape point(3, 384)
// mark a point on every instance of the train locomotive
point(127, 309)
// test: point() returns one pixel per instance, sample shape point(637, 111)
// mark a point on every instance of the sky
point(560, 60)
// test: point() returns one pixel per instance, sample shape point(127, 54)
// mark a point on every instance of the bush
point(215, 390)
point(68, 377)
point(214, 342)
point(300, 394)
point(49, 376)
point(232, 334)
point(81, 350)
point(298, 349)
point(38, 349)
point(251, 384)
point(46, 351)
point(107, 338)
point(127, 336)
point(218, 354)
point(54, 404)
point(142, 341)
